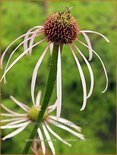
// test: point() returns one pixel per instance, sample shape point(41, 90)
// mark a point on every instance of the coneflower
point(60, 28)
point(21, 121)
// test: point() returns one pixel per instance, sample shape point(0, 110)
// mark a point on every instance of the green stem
point(47, 96)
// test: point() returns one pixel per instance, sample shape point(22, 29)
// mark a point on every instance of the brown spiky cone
point(61, 28)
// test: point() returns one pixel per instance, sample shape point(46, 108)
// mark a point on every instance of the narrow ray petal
point(104, 68)
point(34, 75)
point(90, 71)
point(59, 84)
point(15, 126)
point(42, 141)
point(11, 55)
point(14, 133)
point(51, 48)
point(38, 99)
point(11, 119)
point(27, 35)
point(23, 106)
point(52, 107)
point(89, 31)
point(8, 110)
point(48, 139)
point(56, 135)
point(18, 121)
point(89, 44)
point(82, 80)
point(32, 40)
point(13, 115)
point(79, 135)
point(66, 122)
point(4, 53)
point(18, 58)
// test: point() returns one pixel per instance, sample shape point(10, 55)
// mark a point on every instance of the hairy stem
point(47, 96)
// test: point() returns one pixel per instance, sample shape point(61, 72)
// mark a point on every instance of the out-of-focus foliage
point(98, 119)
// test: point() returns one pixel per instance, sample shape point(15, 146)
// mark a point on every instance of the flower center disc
point(33, 113)
point(61, 28)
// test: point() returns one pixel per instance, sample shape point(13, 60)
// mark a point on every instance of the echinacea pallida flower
point(60, 28)
point(20, 121)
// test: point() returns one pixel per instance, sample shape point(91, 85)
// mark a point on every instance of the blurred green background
point(98, 119)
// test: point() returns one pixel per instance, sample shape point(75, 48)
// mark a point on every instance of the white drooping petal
point(14, 133)
point(27, 35)
point(8, 110)
point(14, 126)
point(51, 48)
point(4, 53)
point(12, 115)
point(90, 71)
point(104, 72)
point(23, 106)
point(18, 58)
point(42, 141)
point(66, 122)
point(48, 139)
point(11, 119)
point(11, 55)
point(38, 99)
point(89, 31)
point(79, 135)
point(52, 107)
point(104, 68)
point(17, 121)
point(89, 45)
point(59, 84)
point(82, 80)
point(34, 75)
point(32, 40)
point(56, 135)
